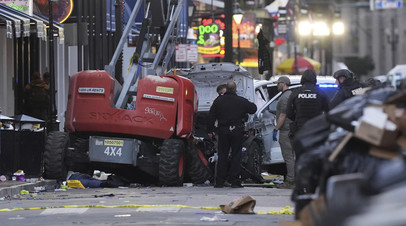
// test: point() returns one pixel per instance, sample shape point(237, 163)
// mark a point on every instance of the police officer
point(348, 86)
point(230, 110)
point(305, 103)
point(282, 126)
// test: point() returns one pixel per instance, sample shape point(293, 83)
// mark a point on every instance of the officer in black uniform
point(305, 103)
point(348, 86)
point(230, 110)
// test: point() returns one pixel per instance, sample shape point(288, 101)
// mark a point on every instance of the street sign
point(192, 53)
point(388, 4)
point(181, 53)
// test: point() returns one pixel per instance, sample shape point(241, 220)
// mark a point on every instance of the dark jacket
point(229, 110)
point(264, 53)
point(346, 90)
point(37, 99)
point(305, 103)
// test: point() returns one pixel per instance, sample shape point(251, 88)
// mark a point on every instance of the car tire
point(56, 145)
point(254, 160)
point(198, 168)
point(171, 163)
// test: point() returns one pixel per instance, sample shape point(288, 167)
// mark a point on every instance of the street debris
point(215, 218)
point(242, 205)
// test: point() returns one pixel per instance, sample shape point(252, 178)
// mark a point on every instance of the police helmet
point(343, 73)
point(309, 76)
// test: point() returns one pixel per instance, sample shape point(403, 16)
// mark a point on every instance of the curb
point(16, 189)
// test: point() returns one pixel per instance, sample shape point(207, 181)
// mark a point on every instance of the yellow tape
point(284, 211)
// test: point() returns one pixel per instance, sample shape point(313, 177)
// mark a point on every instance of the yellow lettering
point(160, 89)
point(114, 142)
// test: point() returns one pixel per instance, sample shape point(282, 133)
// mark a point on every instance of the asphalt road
point(145, 206)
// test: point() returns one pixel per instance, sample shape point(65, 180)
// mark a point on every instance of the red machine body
point(165, 106)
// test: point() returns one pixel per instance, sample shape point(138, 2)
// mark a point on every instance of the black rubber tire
point(171, 162)
point(198, 168)
point(79, 158)
point(56, 145)
point(254, 160)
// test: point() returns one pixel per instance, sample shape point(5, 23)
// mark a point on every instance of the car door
point(266, 117)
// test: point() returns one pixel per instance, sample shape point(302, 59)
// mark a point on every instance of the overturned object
point(242, 205)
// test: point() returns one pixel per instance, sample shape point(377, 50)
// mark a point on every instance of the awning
point(23, 23)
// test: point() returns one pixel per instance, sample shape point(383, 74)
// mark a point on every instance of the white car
point(265, 116)
point(260, 152)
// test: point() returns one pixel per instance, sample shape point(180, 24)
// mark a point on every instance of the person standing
point(305, 103)
point(282, 126)
point(37, 97)
point(347, 87)
point(230, 110)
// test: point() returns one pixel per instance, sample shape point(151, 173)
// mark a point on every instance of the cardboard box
point(385, 153)
point(314, 212)
point(377, 136)
point(398, 115)
point(375, 128)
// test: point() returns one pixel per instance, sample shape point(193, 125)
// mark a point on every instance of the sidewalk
point(10, 188)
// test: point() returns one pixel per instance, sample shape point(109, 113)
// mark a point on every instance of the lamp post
point(322, 29)
point(238, 15)
point(53, 124)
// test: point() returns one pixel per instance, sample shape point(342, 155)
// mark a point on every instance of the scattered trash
point(105, 195)
point(3, 178)
point(75, 184)
point(216, 218)
point(187, 184)
point(245, 204)
point(278, 181)
point(264, 174)
point(99, 175)
point(31, 180)
point(63, 185)
point(39, 188)
point(24, 192)
point(19, 175)
point(85, 180)
point(59, 189)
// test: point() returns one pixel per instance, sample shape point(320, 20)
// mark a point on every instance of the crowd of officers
point(229, 112)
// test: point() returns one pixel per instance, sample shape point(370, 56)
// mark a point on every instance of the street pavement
point(188, 205)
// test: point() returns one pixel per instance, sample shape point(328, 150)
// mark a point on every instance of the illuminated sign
point(247, 32)
point(210, 36)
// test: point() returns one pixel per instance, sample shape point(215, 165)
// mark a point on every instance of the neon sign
point(210, 34)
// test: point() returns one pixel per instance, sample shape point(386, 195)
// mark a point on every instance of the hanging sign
point(210, 33)
point(181, 53)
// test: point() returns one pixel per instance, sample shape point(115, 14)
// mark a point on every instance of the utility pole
point(53, 124)
point(393, 40)
point(228, 35)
